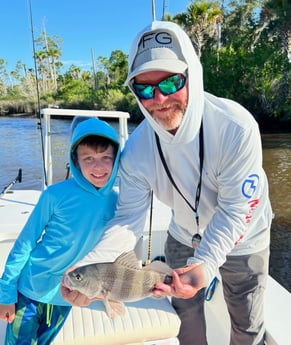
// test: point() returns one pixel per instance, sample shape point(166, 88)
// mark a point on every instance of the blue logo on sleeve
point(249, 185)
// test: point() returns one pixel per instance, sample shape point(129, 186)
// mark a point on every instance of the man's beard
point(170, 120)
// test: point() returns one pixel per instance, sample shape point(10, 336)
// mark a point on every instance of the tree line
point(244, 47)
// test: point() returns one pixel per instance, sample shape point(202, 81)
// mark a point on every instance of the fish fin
point(128, 259)
point(113, 308)
point(109, 311)
point(117, 307)
point(160, 267)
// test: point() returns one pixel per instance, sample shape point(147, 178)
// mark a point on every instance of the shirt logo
point(249, 185)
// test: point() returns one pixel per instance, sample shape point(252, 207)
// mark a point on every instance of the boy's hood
point(193, 115)
point(86, 128)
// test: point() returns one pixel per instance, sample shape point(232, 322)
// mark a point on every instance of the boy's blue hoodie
point(66, 223)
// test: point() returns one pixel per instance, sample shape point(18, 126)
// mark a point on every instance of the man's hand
point(187, 281)
point(7, 312)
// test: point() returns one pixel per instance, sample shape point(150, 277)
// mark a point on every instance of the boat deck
point(15, 208)
point(147, 322)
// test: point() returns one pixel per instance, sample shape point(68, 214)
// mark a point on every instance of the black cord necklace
point(196, 237)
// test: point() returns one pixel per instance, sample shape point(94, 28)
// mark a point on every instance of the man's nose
point(158, 95)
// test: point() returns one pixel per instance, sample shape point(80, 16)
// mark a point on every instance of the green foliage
point(250, 65)
point(75, 93)
point(114, 68)
point(243, 46)
point(110, 99)
point(128, 104)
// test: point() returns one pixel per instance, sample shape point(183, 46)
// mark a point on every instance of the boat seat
point(146, 322)
point(149, 321)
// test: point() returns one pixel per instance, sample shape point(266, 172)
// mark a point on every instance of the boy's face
point(96, 166)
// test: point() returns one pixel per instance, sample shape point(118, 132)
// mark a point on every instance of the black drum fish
point(120, 281)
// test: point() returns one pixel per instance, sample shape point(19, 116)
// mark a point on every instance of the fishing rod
point(148, 261)
point(37, 94)
point(153, 10)
point(18, 178)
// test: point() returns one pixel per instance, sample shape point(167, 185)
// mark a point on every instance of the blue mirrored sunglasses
point(167, 86)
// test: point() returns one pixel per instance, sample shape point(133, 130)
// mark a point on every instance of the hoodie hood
point(93, 126)
point(186, 54)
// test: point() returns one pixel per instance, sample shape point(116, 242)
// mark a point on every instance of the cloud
point(78, 63)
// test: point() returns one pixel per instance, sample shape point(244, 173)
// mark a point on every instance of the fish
point(120, 281)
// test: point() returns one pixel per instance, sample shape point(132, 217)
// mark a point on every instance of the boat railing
point(47, 113)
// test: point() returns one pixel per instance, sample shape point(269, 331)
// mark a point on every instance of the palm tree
point(54, 55)
point(74, 72)
point(48, 56)
point(3, 75)
point(201, 21)
point(40, 57)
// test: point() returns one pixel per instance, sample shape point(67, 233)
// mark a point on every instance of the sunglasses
point(167, 86)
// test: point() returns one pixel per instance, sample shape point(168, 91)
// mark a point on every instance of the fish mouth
point(67, 281)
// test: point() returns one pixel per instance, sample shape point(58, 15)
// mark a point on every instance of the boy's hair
point(95, 142)
point(98, 142)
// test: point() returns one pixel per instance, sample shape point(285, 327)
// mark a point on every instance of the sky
point(85, 26)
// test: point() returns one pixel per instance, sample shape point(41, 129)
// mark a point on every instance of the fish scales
point(132, 284)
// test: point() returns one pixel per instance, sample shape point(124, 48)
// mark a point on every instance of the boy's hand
point(7, 312)
point(74, 297)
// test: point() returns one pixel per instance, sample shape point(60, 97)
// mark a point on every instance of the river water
point(20, 148)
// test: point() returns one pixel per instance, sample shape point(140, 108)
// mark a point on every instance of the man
point(215, 185)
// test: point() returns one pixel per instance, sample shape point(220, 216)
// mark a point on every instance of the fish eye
point(78, 276)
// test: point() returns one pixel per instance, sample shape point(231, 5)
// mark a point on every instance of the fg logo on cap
point(155, 39)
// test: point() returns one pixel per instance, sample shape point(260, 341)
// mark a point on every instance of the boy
point(57, 235)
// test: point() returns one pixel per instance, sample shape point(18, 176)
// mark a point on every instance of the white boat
point(146, 322)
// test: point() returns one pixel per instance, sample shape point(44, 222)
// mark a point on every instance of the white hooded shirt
point(234, 208)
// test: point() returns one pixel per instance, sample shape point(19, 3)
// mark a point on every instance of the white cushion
point(145, 320)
